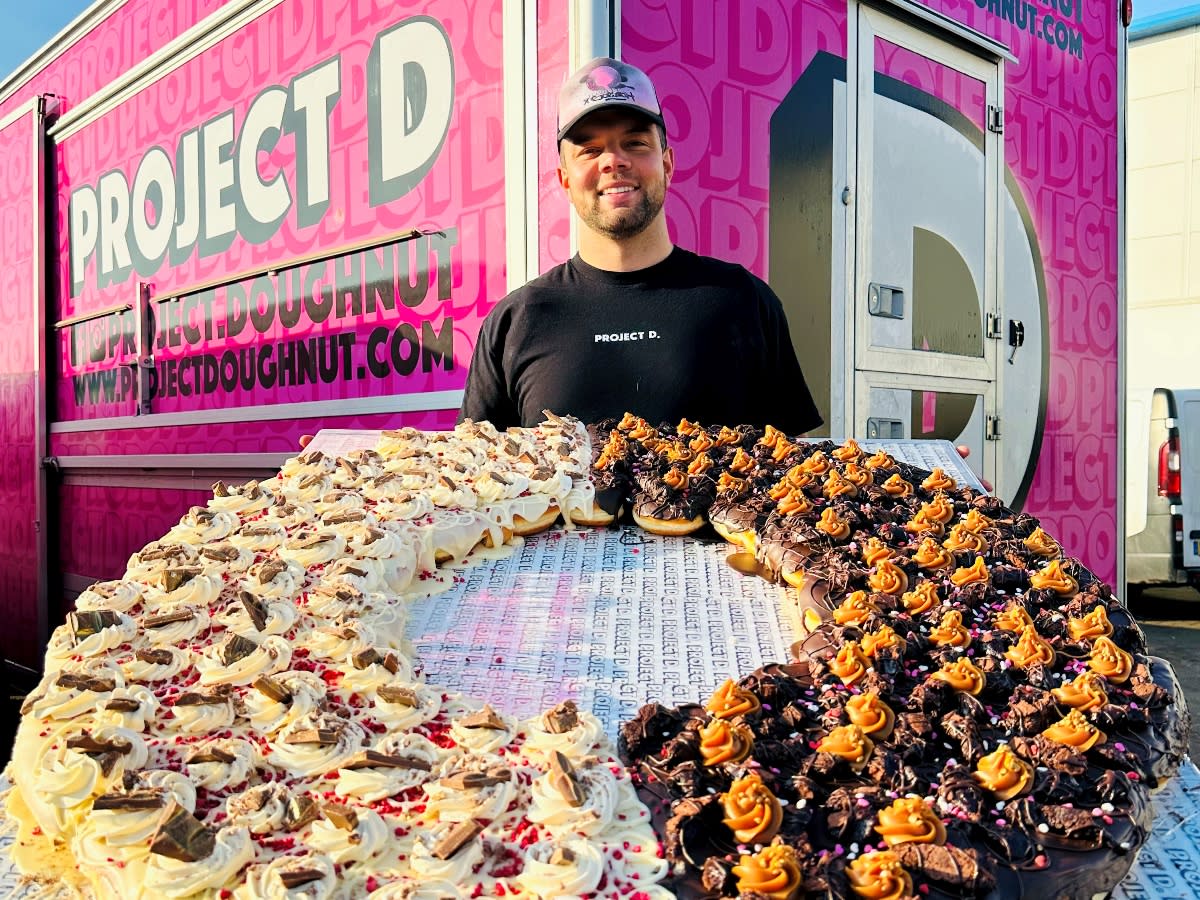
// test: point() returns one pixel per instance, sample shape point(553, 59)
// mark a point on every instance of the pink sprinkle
point(1040, 861)
point(863, 802)
point(924, 889)
point(636, 550)
point(1133, 776)
point(1001, 822)
point(1107, 820)
point(1120, 747)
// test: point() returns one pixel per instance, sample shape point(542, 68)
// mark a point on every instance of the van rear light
point(1168, 469)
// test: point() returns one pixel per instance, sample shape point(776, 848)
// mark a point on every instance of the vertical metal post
point(144, 336)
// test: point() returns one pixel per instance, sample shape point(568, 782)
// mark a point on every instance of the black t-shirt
point(689, 337)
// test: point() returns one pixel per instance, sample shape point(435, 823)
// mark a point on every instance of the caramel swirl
point(858, 476)
point(1075, 731)
point(848, 452)
point(938, 480)
point(1095, 624)
point(772, 872)
point(975, 521)
point(910, 820)
point(614, 451)
point(836, 528)
point(888, 578)
point(727, 437)
point(875, 551)
point(771, 437)
point(794, 504)
point(678, 451)
point(977, 571)
point(1084, 693)
point(676, 479)
point(920, 523)
point(642, 431)
point(1111, 661)
point(880, 460)
point(961, 538)
point(817, 464)
point(931, 556)
point(702, 443)
point(742, 462)
point(872, 715)
point(850, 664)
point(922, 598)
point(629, 421)
point(729, 701)
point(752, 812)
point(727, 483)
point(855, 609)
point(878, 875)
point(940, 509)
point(838, 486)
point(782, 450)
point(1014, 618)
point(687, 429)
point(1042, 544)
point(722, 741)
point(881, 639)
point(798, 478)
point(897, 486)
point(1053, 578)
point(850, 743)
point(962, 675)
point(1004, 773)
point(1030, 649)
point(779, 490)
point(701, 464)
point(951, 633)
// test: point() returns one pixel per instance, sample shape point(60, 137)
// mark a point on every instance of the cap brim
point(611, 104)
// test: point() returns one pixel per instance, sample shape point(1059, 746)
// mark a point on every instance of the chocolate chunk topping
point(271, 568)
point(344, 817)
point(401, 696)
point(561, 856)
point(483, 718)
point(123, 704)
point(255, 609)
point(152, 798)
point(195, 698)
point(84, 683)
point(500, 479)
point(153, 554)
point(371, 759)
point(326, 737)
point(85, 624)
point(364, 658)
point(564, 780)
point(220, 553)
point(211, 755)
point(562, 718)
point(949, 866)
point(456, 838)
point(276, 690)
point(30, 702)
point(155, 657)
point(235, 648)
point(258, 531)
point(448, 482)
point(173, 579)
point(313, 540)
point(88, 745)
point(311, 481)
point(292, 878)
point(300, 811)
point(183, 837)
point(465, 781)
point(342, 518)
point(180, 615)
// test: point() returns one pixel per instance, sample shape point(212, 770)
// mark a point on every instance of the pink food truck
point(227, 223)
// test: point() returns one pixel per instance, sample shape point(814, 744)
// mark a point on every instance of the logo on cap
point(606, 83)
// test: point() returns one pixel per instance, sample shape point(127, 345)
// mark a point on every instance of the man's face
point(616, 172)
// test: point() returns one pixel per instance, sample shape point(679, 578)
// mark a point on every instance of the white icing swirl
point(259, 536)
point(201, 718)
point(284, 585)
point(177, 632)
point(399, 717)
point(63, 646)
point(281, 615)
point(269, 716)
point(316, 759)
point(217, 775)
point(264, 882)
point(602, 799)
point(144, 672)
point(166, 877)
point(368, 839)
point(273, 654)
point(580, 741)
point(133, 719)
point(203, 526)
point(552, 880)
point(457, 869)
point(324, 551)
point(120, 596)
point(371, 784)
point(485, 740)
point(261, 809)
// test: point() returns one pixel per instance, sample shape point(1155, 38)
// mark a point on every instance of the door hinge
point(993, 327)
point(995, 119)
point(991, 428)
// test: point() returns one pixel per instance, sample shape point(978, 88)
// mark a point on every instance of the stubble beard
point(628, 222)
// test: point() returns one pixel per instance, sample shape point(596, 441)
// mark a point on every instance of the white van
point(1162, 519)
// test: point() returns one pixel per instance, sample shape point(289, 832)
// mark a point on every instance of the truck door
point(1187, 415)
point(926, 253)
point(22, 387)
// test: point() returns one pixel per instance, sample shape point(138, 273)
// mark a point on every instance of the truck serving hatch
point(1187, 422)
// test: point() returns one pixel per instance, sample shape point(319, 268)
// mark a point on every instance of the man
point(633, 322)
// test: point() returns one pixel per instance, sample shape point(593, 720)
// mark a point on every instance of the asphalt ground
point(1171, 619)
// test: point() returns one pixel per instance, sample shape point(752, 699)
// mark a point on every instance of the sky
point(29, 24)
